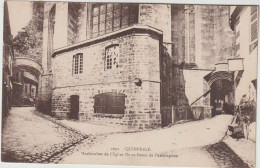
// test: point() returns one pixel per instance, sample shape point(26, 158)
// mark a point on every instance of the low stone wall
point(133, 121)
point(201, 112)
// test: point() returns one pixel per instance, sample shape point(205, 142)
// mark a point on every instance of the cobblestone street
point(28, 136)
point(31, 137)
point(224, 156)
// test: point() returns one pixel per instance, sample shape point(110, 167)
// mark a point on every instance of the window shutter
point(100, 104)
point(254, 31)
point(254, 27)
point(109, 103)
point(118, 104)
point(81, 64)
point(253, 9)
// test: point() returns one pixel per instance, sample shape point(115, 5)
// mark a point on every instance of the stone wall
point(136, 114)
point(179, 98)
point(82, 24)
point(214, 38)
point(138, 58)
point(157, 16)
point(45, 80)
point(45, 93)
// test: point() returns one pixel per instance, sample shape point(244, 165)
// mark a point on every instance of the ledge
point(134, 28)
point(104, 115)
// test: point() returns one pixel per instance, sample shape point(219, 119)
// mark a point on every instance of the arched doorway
point(222, 92)
point(222, 97)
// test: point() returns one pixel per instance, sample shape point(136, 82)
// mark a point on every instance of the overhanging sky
point(20, 14)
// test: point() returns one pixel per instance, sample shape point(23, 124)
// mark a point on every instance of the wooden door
point(74, 107)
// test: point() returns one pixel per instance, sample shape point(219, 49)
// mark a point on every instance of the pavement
point(93, 129)
point(245, 149)
point(176, 144)
point(30, 136)
point(225, 157)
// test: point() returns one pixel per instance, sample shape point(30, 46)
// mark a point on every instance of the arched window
point(109, 103)
point(108, 17)
point(51, 25)
point(112, 56)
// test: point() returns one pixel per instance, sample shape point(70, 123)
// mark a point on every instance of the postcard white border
point(212, 2)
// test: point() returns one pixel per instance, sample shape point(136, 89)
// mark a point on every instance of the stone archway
point(221, 92)
point(222, 97)
point(26, 72)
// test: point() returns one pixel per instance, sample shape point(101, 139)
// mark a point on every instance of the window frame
point(113, 57)
point(77, 59)
point(108, 107)
point(131, 16)
point(253, 21)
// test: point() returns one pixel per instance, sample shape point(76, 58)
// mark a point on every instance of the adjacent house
point(244, 23)
point(8, 56)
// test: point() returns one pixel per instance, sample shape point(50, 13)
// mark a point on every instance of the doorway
point(222, 97)
point(74, 107)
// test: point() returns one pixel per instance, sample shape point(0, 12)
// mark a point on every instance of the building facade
point(8, 56)
point(137, 65)
point(244, 23)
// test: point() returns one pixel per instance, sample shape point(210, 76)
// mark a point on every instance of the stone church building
point(138, 65)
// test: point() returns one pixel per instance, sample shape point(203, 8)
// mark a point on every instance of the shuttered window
point(253, 9)
point(254, 28)
point(108, 17)
point(109, 103)
point(253, 31)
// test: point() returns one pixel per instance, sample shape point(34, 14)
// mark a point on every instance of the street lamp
point(138, 81)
